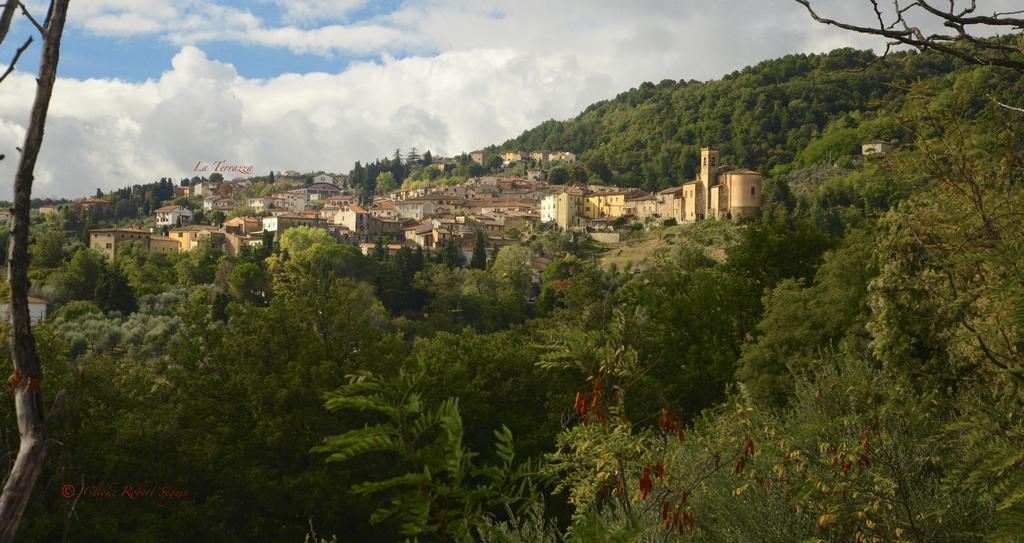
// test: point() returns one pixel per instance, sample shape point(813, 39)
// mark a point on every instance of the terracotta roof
point(31, 300)
point(296, 216)
point(195, 228)
point(121, 230)
point(241, 219)
point(168, 208)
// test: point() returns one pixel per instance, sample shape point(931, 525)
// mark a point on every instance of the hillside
point(762, 117)
point(635, 251)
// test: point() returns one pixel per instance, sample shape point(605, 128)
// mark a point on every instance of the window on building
point(753, 191)
point(109, 245)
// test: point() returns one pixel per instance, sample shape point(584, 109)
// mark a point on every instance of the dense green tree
point(558, 175)
point(48, 249)
point(386, 183)
point(479, 258)
point(248, 283)
point(774, 250)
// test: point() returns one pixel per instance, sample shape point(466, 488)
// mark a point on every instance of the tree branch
point(14, 61)
point(985, 52)
point(35, 23)
point(1000, 104)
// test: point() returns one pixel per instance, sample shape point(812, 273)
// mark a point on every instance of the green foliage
point(846, 368)
point(436, 489)
point(798, 321)
point(774, 250)
point(89, 277)
point(303, 240)
point(761, 117)
point(248, 283)
point(558, 175)
point(835, 144)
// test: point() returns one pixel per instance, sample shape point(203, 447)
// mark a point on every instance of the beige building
point(876, 148)
point(721, 194)
point(670, 204)
point(111, 242)
point(562, 156)
point(565, 209)
point(279, 223)
point(478, 156)
point(608, 205)
point(163, 245)
point(243, 225)
point(190, 237)
point(642, 207)
point(540, 156)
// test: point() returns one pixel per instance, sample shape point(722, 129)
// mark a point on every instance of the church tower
point(708, 177)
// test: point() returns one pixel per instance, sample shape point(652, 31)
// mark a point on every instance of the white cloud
point(317, 10)
point(109, 133)
point(485, 71)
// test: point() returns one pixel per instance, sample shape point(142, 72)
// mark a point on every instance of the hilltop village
point(429, 217)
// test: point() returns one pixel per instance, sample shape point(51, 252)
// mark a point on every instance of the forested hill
point(760, 117)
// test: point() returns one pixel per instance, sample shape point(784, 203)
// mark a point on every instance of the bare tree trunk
point(6, 16)
point(26, 379)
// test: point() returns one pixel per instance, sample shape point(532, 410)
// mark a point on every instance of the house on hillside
point(172, 215)
point(36, 309)
point(876, 148)
point(243, 225)
point(89, 203)
point(478, 156)
point(536, 174)
point(319, 191)
point(279, 223)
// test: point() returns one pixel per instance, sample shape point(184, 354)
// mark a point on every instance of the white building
point(549, 208)
point(876, 147)
point(415, 209)
point(213, 204)
point(172, 214)
point(293, 201)
point(36, 310)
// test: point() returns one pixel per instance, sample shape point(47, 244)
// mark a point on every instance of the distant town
point(239, 214)
point(227, 215)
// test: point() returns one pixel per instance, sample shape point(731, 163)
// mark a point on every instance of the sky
point(149, 88)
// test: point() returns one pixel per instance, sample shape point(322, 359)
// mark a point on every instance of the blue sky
point(138, 57)
point(149, 87)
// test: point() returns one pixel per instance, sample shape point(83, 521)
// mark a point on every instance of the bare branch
point(1000, 104)
point(14, 61)
point(24, 10)
point(996, 20)
point(962, 44)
